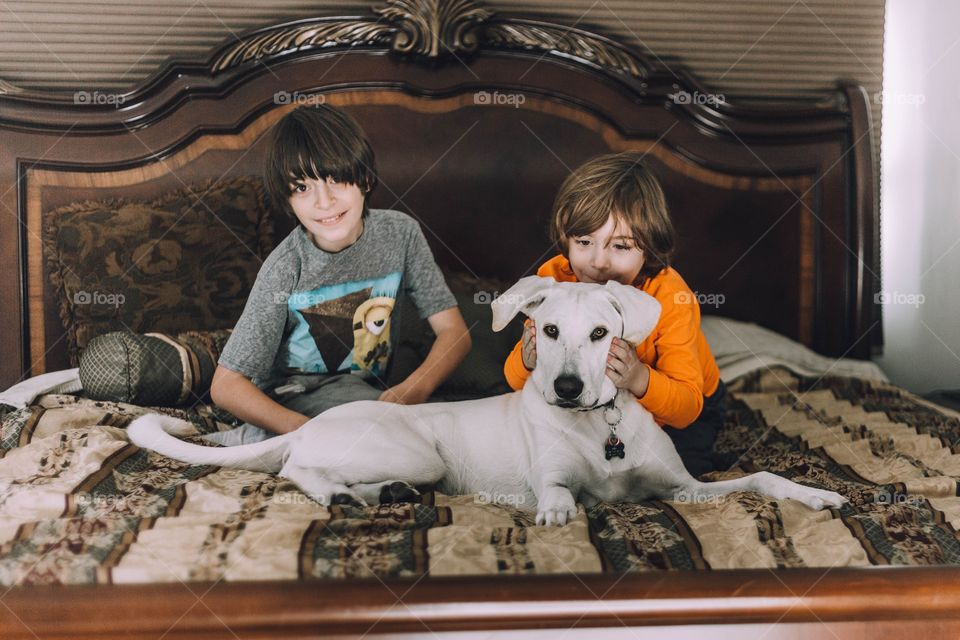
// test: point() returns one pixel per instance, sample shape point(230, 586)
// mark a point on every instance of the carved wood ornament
point(430, 30)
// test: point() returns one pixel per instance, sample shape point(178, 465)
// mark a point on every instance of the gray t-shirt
point(314, 312)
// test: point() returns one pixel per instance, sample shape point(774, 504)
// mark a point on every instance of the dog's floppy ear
point(523, 297)
point(640, 311)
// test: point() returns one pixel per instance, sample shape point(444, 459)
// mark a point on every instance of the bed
point(142, 213)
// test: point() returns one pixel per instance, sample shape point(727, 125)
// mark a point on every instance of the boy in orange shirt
point(611, 222)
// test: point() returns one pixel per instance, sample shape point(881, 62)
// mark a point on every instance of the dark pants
point(695, 443)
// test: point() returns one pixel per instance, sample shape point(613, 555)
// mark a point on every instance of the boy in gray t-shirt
point(316, 329)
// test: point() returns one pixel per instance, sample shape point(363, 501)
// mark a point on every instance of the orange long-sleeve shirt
point(682, 368)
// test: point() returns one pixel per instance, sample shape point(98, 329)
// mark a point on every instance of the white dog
point(569, 435)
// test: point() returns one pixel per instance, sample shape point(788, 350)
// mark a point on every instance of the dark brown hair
point(318, 142)
point(621, 185)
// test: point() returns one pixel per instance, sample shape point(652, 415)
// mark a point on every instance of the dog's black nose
point(568, 387)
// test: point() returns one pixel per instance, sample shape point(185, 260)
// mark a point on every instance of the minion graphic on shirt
point(343, 328)
point(371, 334)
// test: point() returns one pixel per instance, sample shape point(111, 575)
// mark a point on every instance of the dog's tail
point(156, 432)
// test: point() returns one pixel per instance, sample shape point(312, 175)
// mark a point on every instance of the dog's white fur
point(526, 446)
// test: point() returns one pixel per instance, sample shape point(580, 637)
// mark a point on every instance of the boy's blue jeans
point(320, 393)
point(695, 443)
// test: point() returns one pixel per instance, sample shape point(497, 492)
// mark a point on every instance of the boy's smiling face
point(330, 211)
point(609, 253)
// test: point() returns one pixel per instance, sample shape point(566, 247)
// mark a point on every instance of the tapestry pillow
point(186, 260)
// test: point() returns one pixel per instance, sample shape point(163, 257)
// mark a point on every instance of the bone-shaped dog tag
point(614, 447)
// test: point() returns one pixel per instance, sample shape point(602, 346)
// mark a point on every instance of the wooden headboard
point(475, 119)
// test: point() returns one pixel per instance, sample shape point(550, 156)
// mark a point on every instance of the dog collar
point(613, 445)
point(612, 415)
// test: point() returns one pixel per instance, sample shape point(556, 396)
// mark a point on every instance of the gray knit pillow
point(151, 369)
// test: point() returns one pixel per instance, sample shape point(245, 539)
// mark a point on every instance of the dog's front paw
point(398, 492)
point(821, 499)
point(557, 509)
point(347, 498)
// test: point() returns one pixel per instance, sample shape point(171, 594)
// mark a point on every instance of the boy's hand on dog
point(404, 393)
point(528, 350)
point(625, 369)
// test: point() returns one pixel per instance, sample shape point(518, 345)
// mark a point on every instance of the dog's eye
point(598, 334)
point(551, 331)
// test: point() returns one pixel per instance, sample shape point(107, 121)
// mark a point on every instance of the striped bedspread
point(80, 504)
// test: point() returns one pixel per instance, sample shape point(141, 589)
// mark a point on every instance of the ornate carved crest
point(550, 38)
point(430, 30)
point(314, 35)
point(432, 27)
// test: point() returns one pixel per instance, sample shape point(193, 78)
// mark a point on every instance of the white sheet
point(742, 347)
point(23, 393)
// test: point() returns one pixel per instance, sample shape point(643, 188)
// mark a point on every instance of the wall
point(920, 227)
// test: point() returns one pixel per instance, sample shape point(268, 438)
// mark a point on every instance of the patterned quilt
point(80, 504)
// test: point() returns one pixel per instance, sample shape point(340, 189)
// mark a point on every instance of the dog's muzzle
point(568, 389)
